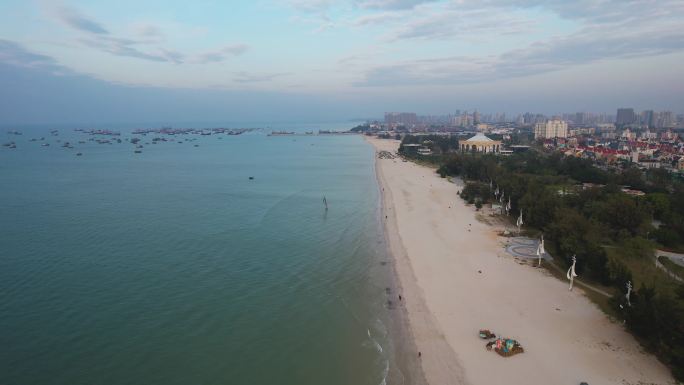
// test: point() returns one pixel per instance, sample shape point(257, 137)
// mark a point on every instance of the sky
point(327, 60)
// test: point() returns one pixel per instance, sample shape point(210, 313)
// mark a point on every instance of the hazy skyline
point(76, 61)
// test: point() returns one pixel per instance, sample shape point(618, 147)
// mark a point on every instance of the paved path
point(674, 257)
point(522, 247)
point(664, 268)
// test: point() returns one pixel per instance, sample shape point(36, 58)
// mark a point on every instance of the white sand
point(437, 261)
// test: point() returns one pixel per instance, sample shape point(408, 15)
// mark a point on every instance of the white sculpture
point(571, 272)
point(540, 250)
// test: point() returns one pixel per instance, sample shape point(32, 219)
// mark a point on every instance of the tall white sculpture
point(540, 250)
point(519, 223)
point(629, 291)
point(508, 206)
point(571, 272)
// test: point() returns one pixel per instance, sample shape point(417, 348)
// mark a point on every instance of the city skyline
point(330, 60)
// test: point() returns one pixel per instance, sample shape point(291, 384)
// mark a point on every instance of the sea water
point(172, 266)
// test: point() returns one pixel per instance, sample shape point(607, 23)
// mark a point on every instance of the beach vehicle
point(505, 347)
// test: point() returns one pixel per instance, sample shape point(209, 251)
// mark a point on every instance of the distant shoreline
point(408, 325)
point(409, 366)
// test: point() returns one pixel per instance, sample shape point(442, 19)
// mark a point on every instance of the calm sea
point(173, 267)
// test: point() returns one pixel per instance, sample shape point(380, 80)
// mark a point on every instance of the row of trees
point(439, 144)
point(584, 222)
point(664, 201)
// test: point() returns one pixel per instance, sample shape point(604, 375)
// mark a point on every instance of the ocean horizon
point(202, 259)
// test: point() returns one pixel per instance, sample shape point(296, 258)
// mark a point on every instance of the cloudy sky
point(319, 60)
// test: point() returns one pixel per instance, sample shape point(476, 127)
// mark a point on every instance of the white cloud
point(148, 43)
point(605, 30)
point(246, 77)
point(221, 54)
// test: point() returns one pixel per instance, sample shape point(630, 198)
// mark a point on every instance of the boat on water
point(281, 133)
point(138, 151)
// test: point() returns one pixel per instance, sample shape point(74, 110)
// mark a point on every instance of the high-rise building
point(647, 118)
point(664, 119)
point(580, 118)
point(625, 116)
point(551, 129)
point(466, 119)
point(404, 118)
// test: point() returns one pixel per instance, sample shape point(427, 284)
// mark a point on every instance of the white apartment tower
point(551, 129)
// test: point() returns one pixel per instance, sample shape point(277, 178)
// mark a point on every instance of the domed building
point(480, 143)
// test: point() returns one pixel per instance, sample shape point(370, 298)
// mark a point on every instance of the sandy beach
point(456, 278)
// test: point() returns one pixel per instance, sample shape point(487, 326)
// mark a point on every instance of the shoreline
point(455, 278)
point(404, 283)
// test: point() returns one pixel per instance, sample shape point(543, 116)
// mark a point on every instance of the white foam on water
point(385, 372)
